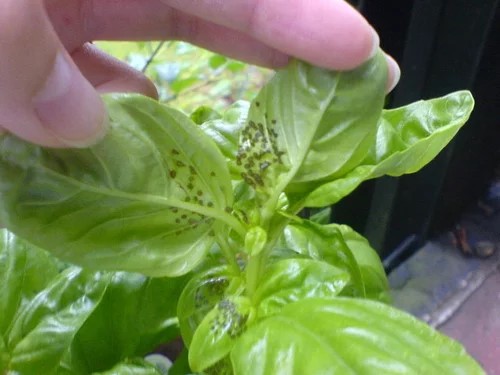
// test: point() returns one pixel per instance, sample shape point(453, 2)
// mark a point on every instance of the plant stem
point(152, 57)
point(257, 263)
point(253, 272)
point(228, 253)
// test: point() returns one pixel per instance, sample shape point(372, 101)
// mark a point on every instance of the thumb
point(44, 98)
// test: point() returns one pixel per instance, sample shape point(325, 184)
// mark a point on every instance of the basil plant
point(188, 226)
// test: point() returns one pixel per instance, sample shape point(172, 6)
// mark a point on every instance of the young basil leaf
point(342, 247)
point(290, 280)
point(322, 215)
point(144, 199)
point(346, 336)
point(255, 241)
point(371, 268)
point(203, 114)
point(217, 333)
point(324, 243)
point(309, 124)
point(136, 315)
point(201, 294)
point(407, 139)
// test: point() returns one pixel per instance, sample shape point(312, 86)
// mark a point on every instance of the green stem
point(227, 252)
point(274, 225)
point(256, 263)
point(253, 272)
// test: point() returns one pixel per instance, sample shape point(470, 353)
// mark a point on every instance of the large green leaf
point(42, 308)
point(309, 124)
point(144, 199)
point(407, 139)
point(290, 280)
point(347, 336)
point(136, 315)
point(41, 332)
point(64, 320)
point(24, 272)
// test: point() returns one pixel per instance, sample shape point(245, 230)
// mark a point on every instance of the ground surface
point(457, 294)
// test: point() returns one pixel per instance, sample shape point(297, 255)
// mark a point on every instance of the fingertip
point(68, 107)
point(129, 85)
point(332, 34)
point(108, 74)
point(393, 73)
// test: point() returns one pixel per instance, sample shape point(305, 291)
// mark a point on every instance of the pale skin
point(51, 75)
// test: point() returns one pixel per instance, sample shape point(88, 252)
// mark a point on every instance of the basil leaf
point(201, 294)
point(407, 139)
point(135, 316)
point(203, 114)
point(342, 247)
point(42, 307)
point(217, 333)
point(74, 321)
point(144, 199)
point(24, 272)
point(347, 336)
point(325, 243)
point(290, 280)
point(43, 329)
point(309, 124)
point(372, 271)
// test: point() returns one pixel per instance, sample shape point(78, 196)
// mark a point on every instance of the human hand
point(50, 75)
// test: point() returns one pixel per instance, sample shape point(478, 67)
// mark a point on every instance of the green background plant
point(188, 77)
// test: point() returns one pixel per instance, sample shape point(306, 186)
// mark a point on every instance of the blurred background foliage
point(188, 77)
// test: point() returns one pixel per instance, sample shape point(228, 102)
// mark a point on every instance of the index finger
point(328, 33)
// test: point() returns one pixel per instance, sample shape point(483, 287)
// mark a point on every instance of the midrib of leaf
point(148, 198)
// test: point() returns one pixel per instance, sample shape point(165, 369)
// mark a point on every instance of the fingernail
point(394, 73)
point(69, 107)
